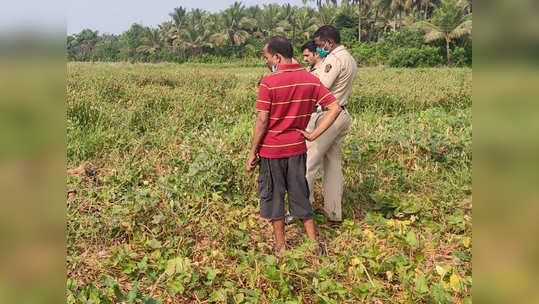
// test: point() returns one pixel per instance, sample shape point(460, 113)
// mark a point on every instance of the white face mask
point(274, 67)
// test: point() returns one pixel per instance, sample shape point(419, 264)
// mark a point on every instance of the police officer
point(337, 73)
point(312, 58)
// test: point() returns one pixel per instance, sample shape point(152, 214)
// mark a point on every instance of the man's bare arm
point(259, 130)
point(334, 110)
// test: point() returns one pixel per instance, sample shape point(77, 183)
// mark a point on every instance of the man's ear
point(279, 58)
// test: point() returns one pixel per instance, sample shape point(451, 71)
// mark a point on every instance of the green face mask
point(323, 53)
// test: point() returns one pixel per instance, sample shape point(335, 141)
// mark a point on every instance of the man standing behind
point(312, 58)
point(286, 100)
point(337, 73)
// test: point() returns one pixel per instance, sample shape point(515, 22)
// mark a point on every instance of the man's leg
point(278, 232)
point(309, 228)
point(271, 189)
point(316, 151)
point(298, 196)
point(332, 180)
point(315, 154)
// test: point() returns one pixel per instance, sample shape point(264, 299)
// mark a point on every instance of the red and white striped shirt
point(289, 95)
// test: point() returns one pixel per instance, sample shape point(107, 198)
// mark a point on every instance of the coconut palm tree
point(306, 23)
point(151, 42)
point(255, 13)
point(318, 3)
point(179, 17)
point(448, 22)
point(363, 6)
point(328, 14)
point(288, 16)
point(394, 9)
point(236, 22)
point(270, 19)
point(164, 33)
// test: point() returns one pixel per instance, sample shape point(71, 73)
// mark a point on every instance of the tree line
point(378, 32)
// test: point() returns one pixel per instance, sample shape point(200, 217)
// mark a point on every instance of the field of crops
point(162, 210)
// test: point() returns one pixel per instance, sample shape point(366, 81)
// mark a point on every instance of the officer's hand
point(308, 136)
point(252, 161)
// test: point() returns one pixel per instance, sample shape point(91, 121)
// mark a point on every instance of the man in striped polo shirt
point(286, 100)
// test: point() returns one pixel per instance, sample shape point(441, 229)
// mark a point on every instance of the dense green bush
point(398, 49)
point(458, 57)
point(368, 54)
point(349, 36)
point(405, 38)
point(427, 56)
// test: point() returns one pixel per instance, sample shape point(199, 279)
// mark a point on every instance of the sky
point(116, 16)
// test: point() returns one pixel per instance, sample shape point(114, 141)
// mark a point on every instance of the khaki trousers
point(325, 152)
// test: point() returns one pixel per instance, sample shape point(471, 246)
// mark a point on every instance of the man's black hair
point(328, 32)
point(280, 45)
point(309, 46)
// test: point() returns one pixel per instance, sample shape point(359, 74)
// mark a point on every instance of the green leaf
point(420, 284)
point(439, 294)
point(218, 295)
point(210, 273)
point(154, 244)
point(463, 256)
point(175, 287)
point(143, 264)
point(118, 293)
point(270, 259)
point(239, 297)
point(442, 270)
point(348, 223)
point(411, 208)
point(149, 300)
point(132, 295)
point(171, 267)
point(411, 239)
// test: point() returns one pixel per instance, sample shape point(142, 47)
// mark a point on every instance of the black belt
point(324, 109)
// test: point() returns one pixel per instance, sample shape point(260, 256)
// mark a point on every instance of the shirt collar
point(338, 49)
point(289, 67)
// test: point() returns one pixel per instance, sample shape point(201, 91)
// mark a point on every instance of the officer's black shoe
point(334, 223)
point(289, 220)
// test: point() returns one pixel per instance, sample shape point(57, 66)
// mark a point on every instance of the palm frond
point(433, 36)
point(465, 28)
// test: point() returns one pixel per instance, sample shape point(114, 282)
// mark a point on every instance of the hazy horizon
point(115, 17)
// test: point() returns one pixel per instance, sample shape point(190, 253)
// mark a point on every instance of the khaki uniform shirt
point(337, 73)
point(316, 69)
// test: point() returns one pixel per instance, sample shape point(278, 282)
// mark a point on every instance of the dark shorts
point(278, 176)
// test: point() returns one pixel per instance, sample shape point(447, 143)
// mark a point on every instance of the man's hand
point(308, 136)
point(252, 161)
point(333, 111)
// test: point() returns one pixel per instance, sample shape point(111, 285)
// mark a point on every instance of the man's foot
point(278, 251)
point(321, 250)
point(289, 220)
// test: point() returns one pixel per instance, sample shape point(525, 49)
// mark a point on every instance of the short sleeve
point(263, 102)
point(329, 71)
point(324, 97)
